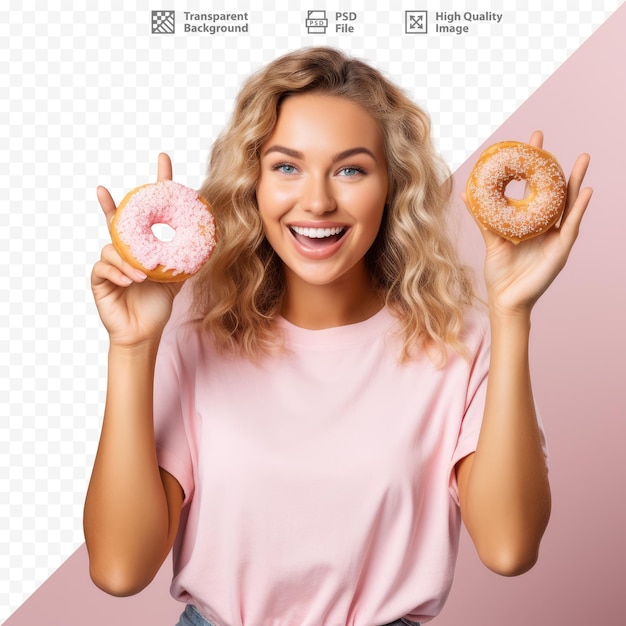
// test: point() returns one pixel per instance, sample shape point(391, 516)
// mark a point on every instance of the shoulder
point(476, 329)
point(474, 343)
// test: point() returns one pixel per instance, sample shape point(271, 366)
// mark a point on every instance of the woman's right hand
point(133, 309)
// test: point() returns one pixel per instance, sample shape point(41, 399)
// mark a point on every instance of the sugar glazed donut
point(516, 220)
point(164, 202)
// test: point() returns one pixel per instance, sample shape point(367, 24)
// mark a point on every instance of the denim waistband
point(192, 617)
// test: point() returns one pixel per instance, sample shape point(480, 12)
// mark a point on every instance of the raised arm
point(503, 486)
point(132, 508)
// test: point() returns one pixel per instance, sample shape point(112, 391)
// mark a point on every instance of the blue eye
point(285, 168)
point(350, 171)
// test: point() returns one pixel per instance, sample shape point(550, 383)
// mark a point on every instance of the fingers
point(577, 200)
point(111, 267)
point(536, 139)
point(107, 203)
point(576, 178)
point(571, 220)
point(578, 170)
point(164, 167)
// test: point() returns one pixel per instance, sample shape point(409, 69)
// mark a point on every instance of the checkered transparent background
point(90, 97)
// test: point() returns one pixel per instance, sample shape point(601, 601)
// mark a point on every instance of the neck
point(350, 300)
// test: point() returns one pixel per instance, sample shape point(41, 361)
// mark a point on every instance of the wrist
point(508, 312)
point(142, 349)
point(509, 320)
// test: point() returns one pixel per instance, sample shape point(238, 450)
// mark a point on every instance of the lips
point(318, 241)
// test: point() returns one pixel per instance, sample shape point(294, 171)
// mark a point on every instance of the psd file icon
point(316, 22)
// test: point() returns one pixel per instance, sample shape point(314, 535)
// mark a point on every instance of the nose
point(317, 196)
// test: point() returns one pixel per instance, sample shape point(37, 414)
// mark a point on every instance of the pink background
point(578, 343)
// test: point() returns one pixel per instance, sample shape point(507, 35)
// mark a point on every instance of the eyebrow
point(295, 154)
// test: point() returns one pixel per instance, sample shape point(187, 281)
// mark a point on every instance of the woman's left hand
point(517, 275)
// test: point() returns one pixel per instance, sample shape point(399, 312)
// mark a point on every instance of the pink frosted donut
point(516, 220)
point(164, 202)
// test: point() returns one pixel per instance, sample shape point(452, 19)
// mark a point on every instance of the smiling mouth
point(318, 243)
point(318, 233)
point(317, 237)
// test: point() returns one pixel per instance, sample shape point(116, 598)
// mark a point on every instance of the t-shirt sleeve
point(474, 401)
point(170, 422)
point(475, 407)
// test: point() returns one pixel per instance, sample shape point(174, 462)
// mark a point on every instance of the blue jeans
point(191, 617)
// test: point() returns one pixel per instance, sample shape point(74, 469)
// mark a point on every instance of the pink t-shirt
point(319, 486)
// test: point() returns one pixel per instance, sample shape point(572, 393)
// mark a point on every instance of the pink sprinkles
point(506, 163)
point(167, 202)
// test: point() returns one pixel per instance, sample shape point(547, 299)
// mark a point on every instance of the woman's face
point(323, 187)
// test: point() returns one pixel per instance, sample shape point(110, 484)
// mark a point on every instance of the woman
point(336, 405)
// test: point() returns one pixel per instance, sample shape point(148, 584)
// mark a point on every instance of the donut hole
point(163, 232)
point(517, 190)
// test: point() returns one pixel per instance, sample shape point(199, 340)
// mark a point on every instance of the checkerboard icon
point(163, 22)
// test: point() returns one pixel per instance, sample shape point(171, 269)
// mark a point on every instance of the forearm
point(126, 513)
point(507, 494)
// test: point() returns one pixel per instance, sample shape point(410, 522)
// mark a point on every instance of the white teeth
point(317, 233)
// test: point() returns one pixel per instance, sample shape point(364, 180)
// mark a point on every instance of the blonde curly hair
point(239, 292)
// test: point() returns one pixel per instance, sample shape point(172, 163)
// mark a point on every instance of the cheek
point(273, 198)
point(269, 212)
point(368, 208)
point(374, 226)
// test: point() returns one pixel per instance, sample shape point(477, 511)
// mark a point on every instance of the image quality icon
point(416, 22)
